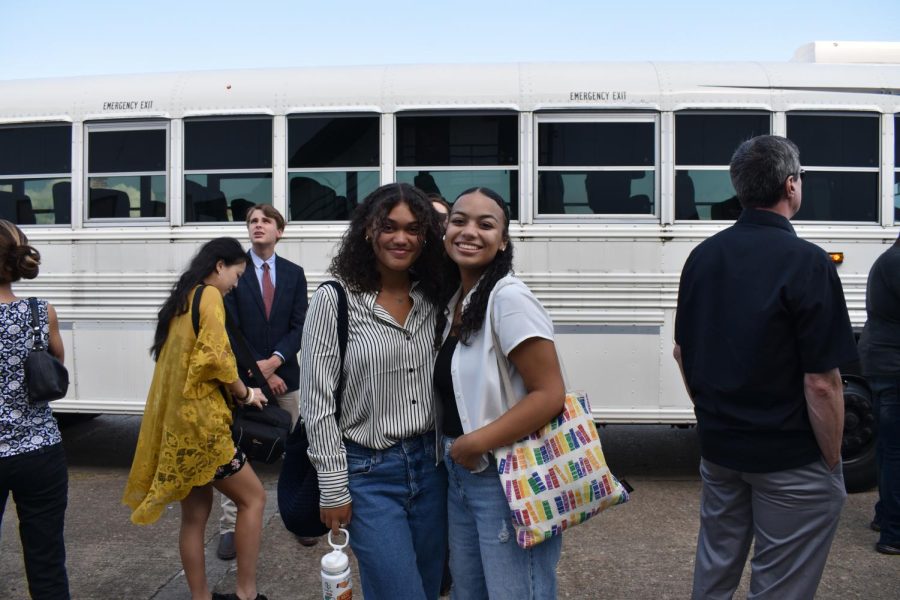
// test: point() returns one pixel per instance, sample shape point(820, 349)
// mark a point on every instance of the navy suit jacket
point(283, 329)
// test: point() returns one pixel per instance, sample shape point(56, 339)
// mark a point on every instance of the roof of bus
point(520, 86)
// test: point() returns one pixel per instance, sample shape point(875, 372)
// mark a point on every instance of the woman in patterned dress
point(32, 459)
point(185, 448)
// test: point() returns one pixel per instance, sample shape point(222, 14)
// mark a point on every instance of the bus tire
point(860, 429)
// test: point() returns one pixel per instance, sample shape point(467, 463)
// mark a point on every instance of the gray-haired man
point(760, 331)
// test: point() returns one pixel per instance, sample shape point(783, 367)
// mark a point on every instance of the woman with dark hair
point(379, 473)
point(489, 311)
point(32, 459)
point(185, 447)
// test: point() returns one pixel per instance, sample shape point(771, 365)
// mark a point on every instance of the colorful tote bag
point(557, 477)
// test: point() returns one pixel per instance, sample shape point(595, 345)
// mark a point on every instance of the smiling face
point(397, 243)
point(227, 276)
point(475, 233)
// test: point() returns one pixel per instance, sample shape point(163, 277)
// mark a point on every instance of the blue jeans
point(39, 482)
point(886, 404)
point(398, 530)
point(485, 560)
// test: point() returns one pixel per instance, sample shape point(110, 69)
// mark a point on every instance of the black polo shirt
point(757, 308)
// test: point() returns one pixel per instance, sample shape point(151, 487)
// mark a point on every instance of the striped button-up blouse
point(387, 381)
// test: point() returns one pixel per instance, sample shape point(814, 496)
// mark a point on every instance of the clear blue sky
point(44, 38)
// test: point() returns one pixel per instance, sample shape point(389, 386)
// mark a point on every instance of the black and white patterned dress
point(24, 427)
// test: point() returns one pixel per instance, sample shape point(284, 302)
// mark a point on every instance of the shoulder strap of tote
point(38, 344)
point(503, 361)
point(242, 353)
point(343, 326)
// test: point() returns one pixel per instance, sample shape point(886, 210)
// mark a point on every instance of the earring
point(368, 239)
point(444, 237)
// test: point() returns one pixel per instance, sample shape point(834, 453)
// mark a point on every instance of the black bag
point(45, 377)
point(298, 484)
point(261, 434)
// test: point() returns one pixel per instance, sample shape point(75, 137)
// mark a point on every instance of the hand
point(466, 451)
point(268, 365)
point(257, 398)
point(337, 517)
point(277, 384)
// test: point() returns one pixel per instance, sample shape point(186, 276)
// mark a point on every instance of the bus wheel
point(858, 445)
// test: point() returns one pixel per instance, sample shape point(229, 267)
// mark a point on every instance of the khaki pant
point(791, 514)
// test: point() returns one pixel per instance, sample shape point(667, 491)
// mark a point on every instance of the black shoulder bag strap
point(38, 344)
point(239, 346)
point(343, 328)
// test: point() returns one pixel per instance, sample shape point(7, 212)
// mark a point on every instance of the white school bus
point(613, 172)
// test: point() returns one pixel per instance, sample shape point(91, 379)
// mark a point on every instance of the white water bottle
point(336, 582)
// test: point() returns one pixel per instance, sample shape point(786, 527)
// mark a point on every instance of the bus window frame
point(25, 177)
point(293, 171)
point(630, 116)
point(710, 167)
point(185, 172)
point(514, 204)
point(812, 168)
point(86, 174)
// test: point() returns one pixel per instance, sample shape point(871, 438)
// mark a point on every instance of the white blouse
point(516, 316)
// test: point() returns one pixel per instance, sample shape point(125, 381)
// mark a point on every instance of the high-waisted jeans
point(398, 530)
point(485, 560)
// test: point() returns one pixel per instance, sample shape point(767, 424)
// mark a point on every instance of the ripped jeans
point(485, 560)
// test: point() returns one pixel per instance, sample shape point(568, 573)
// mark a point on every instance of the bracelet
point(246, 397)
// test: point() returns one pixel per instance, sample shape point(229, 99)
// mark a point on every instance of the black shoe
point(307, 541)
point(216, 596)
point(887, 548)
point(875, 525)
point(226, 550)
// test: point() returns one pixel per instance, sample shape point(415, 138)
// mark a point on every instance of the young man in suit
point(269, 307)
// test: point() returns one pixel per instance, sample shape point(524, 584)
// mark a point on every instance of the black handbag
point(261, 433)
point(45, 376)
point(298, 483)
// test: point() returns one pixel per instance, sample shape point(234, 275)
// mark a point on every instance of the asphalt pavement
point(640, 550)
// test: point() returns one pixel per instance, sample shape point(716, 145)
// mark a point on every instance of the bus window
point(595, 166)
point(448, 154)
point(227, 168)
point(35, 174)
point(704, 143)
point(333, 163)
point(126, 172)
point(840, 157)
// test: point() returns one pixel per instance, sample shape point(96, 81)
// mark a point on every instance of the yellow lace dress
point(185, 433)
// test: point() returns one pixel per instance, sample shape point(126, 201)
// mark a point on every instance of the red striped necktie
point(268, 290)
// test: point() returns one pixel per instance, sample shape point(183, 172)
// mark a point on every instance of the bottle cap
point(335, 562)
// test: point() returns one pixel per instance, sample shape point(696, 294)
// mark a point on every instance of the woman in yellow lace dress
point(185, 447)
